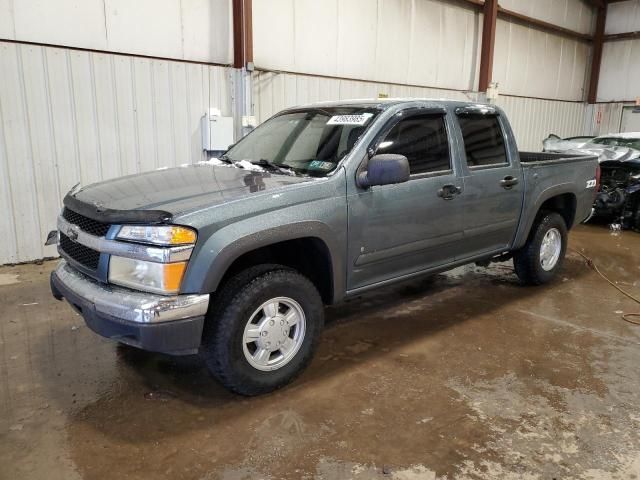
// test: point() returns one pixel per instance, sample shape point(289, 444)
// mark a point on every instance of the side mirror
point(384, 169)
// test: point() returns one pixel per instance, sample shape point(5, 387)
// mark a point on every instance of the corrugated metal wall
point(576, 15)
point(424, 42)
point(532, 119)
point(71, 116)
point(186, 29)
point(274, 91)
point(533, 63)
point(603, 118)
point(620, 71)
point(623, 17)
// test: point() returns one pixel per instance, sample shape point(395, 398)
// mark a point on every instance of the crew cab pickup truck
point(234, 258)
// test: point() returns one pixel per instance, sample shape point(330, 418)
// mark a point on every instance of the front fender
point(210, 262)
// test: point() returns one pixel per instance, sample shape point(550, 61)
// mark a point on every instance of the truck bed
point(533, 158)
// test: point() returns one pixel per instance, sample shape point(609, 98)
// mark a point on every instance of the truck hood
point(157, 196)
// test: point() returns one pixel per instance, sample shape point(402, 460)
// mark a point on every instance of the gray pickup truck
point(234, 258)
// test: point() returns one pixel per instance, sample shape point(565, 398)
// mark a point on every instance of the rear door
point(493, 183)
point(397, 230)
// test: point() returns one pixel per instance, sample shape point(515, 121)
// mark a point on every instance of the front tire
point(262, 330)
point(541, 258)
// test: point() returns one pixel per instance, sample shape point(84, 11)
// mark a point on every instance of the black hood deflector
point(107, 215)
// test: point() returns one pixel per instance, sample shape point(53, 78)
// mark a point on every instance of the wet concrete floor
point(464, 375)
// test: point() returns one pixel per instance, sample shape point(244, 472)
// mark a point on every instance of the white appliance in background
point(217, 131)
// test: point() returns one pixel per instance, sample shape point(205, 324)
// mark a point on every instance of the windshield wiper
point(263, 162)
point(225, 159)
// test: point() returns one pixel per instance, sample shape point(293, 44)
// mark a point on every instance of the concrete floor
point(466, 375)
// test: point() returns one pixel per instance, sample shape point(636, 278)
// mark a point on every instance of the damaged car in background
point(618, 199)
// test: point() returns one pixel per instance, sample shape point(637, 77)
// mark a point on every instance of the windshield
point(309, 142)
point(618, 142)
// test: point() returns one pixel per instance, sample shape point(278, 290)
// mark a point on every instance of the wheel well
point(564, 204)
point(309, 256)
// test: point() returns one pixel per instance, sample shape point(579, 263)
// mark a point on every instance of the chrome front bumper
point(129, 305)
point(169, 324)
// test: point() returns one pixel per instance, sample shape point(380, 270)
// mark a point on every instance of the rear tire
point(262, 330)
point(541, 258)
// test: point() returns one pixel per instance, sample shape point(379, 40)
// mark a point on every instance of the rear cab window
point(484, 142)
point(423, 139)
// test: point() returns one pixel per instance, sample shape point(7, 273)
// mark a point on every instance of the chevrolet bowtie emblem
point(72, 233)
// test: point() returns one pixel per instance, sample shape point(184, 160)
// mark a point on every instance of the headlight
point(163, 278)
point(158, 235)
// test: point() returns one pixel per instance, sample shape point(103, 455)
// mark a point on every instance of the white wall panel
point(68, 22)
point(623, 17)
point(197, 30)
point(273, 92)
point(604, 118)
point(421, 42)
point(144, 26)
point(534, 119)
point(356, 46)
point(620, 68)
point(530, 62)
point(71, 116)
point(620, 71)
point(7, 29)
point(575, 15)
point(206, 30)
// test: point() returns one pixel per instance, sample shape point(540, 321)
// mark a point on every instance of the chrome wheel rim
point(274, 334)
point(550, 249)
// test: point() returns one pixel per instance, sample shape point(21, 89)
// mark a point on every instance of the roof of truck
point(386, 102)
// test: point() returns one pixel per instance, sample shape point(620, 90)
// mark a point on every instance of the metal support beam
point(242, 33)
point(622, 36)
point(242, 102)
point(490, 10)
point(505, 14)
point(596, 57)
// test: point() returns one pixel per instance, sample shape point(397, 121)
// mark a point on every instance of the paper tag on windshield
point(359, 119)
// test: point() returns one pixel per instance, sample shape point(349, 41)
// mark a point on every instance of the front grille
point(86, 224)
point(83, 255)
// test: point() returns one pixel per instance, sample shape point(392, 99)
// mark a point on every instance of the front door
point(397, 230)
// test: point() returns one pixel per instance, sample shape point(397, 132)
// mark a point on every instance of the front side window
point(423, 140)
point(483, 140)
point(309, 142)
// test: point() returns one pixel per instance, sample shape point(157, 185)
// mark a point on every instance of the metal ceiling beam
point(506, 14)
point(596, 58)
point(542, 25)
point(622, 36)
point(490, 10)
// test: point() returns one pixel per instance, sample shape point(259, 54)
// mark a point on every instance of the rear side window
point(423, 140)
point(483, 140)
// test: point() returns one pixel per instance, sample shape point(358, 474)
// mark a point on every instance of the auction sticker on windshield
point(359, 119)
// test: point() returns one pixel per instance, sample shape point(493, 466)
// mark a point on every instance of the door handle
point(448, 192)
point(508, 182)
